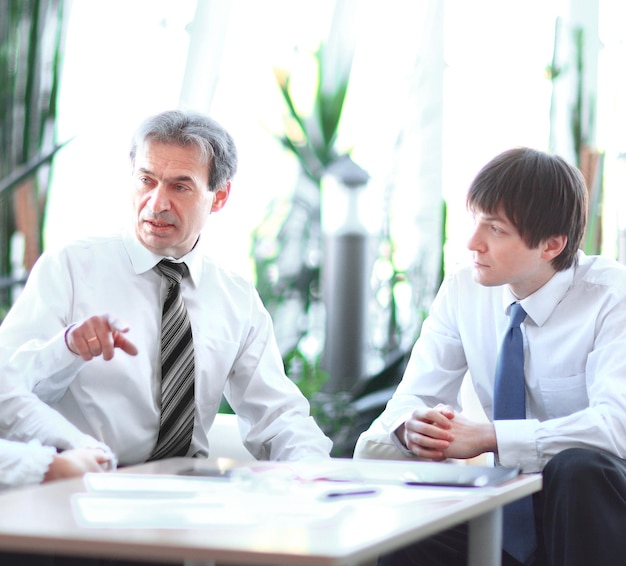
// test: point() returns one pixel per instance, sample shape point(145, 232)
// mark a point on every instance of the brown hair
point(541, 194)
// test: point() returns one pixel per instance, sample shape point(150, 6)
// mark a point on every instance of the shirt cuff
point(391, 428)
point(516, 444)
point(398, 444)
point(28, 464)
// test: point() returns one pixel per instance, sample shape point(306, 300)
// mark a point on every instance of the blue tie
point(509, 402)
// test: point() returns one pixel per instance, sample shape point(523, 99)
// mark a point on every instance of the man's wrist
point(400, 435)
point(488, 438)
point(67, 331)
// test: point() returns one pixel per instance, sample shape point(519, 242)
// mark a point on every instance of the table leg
point(485, 539)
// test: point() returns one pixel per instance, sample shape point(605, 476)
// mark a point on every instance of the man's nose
point(159, 200)
point(474, 243)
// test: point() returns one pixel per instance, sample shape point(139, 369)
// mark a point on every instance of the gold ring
point(92, 339)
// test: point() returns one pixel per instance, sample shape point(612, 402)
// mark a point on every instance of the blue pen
point(349, 493)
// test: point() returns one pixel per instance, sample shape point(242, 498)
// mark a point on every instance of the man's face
point(501, 257)
point(171, 197)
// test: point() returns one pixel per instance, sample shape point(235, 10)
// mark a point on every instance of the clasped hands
point(99, 335)
point(439, 433)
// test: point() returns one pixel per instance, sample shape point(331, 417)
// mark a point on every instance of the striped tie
point(177, 369)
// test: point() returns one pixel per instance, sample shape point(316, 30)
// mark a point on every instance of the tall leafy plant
point(31, 40)
point(288, 253)
point(312, 138)
point(581, 127)
point(286, 246)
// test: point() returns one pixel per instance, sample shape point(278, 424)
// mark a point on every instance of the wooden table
point(274, 514)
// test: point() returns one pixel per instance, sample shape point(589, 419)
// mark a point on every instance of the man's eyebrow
point(178, 179)
point(494, 217)
point(490, 216)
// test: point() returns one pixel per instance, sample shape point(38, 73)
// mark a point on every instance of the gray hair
point(182, 128)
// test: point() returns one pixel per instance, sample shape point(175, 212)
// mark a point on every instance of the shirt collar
point(143, 260)
point(540, 305)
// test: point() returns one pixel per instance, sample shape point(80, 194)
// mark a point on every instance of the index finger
point(125, 344)
point(433, 416)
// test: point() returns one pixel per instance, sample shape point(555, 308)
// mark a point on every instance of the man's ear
point(553, 246)
point(221, 196)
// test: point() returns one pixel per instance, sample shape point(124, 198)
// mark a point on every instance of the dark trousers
point(580, 518)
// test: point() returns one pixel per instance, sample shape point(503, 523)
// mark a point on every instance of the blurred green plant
point(581, 124)
point(31, 41)
point(312, 139)
point(287, 251)
point(590, 160)
point(286, 246)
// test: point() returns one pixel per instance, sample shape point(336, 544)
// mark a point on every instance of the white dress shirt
point(23, 463)
point(117, 402)
point(575, 360)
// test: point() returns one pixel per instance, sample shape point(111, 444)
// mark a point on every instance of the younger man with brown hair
point(529, 210)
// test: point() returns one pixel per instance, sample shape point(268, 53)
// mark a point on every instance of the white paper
point(149, 484)
point(264, 497)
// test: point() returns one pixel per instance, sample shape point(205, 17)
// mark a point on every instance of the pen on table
point(349, 493)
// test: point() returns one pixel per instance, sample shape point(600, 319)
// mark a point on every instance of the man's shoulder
point(602, 271)
point(92, 243)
